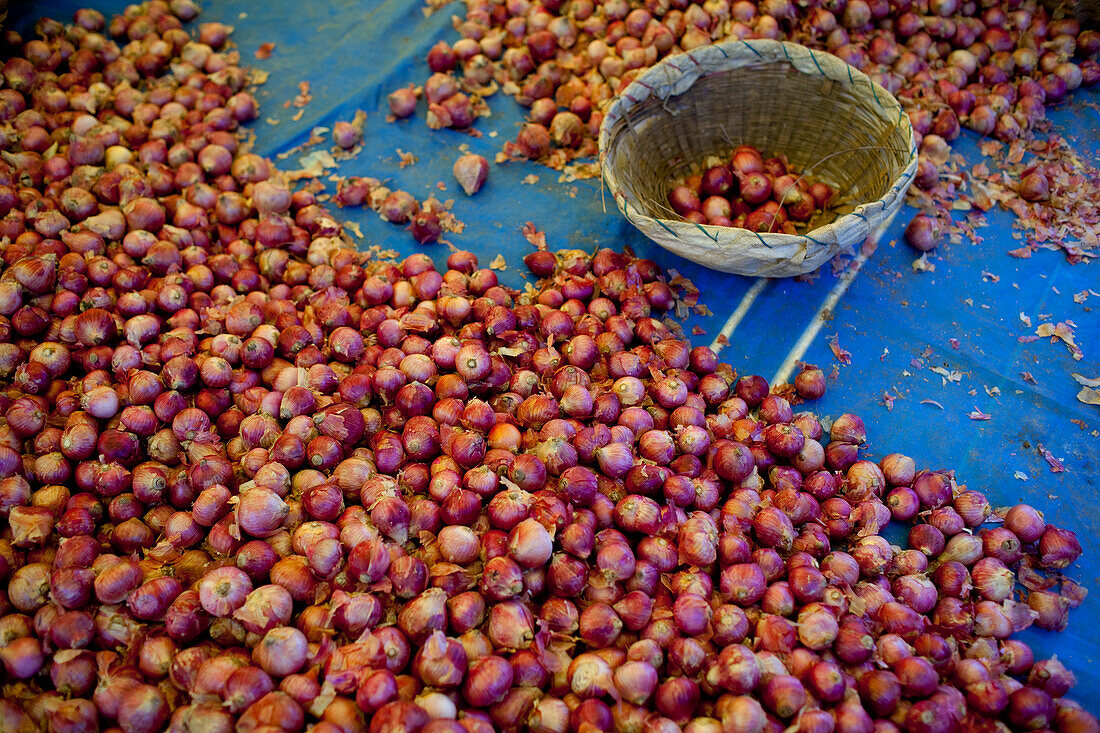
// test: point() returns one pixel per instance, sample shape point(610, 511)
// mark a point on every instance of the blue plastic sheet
point(964, 319)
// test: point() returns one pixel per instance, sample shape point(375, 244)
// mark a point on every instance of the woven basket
point(832, 122)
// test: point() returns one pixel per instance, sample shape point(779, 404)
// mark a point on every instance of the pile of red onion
point(989, 65)
point(751, 193)
point(253, 480)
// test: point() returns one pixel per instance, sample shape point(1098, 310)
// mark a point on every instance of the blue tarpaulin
point(927, 349)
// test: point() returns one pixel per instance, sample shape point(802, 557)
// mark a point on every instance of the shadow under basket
point(830, 120)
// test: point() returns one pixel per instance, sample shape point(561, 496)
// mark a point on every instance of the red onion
point(1025, 522)
point(1050, 609)
point(142, 709)
point(260, 512)
point(921, 233)
point(224, 590)
point(275, 709)
point(471, 171)
point(783, 695)
point(487, 681)
point(1034, 187)
point(635, 681)
point(440, 662)
point(1052, 677)
point(1029, 707)
point(683, 200)
point(281, 652)
point(1058, 548)
point(22, 658)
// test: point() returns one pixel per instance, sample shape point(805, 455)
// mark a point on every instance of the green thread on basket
point(762, 240)
point(713, 238)
point(872, 85)
point(818, 243)
point(723, 51)
point(751, 48)
point(666, 227)
point(813, 57)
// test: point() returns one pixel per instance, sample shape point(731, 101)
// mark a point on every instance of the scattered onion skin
point(280, 503)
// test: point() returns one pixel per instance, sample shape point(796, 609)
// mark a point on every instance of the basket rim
point(728, 56)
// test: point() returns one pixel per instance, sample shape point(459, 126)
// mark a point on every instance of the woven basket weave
point(831, 121)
